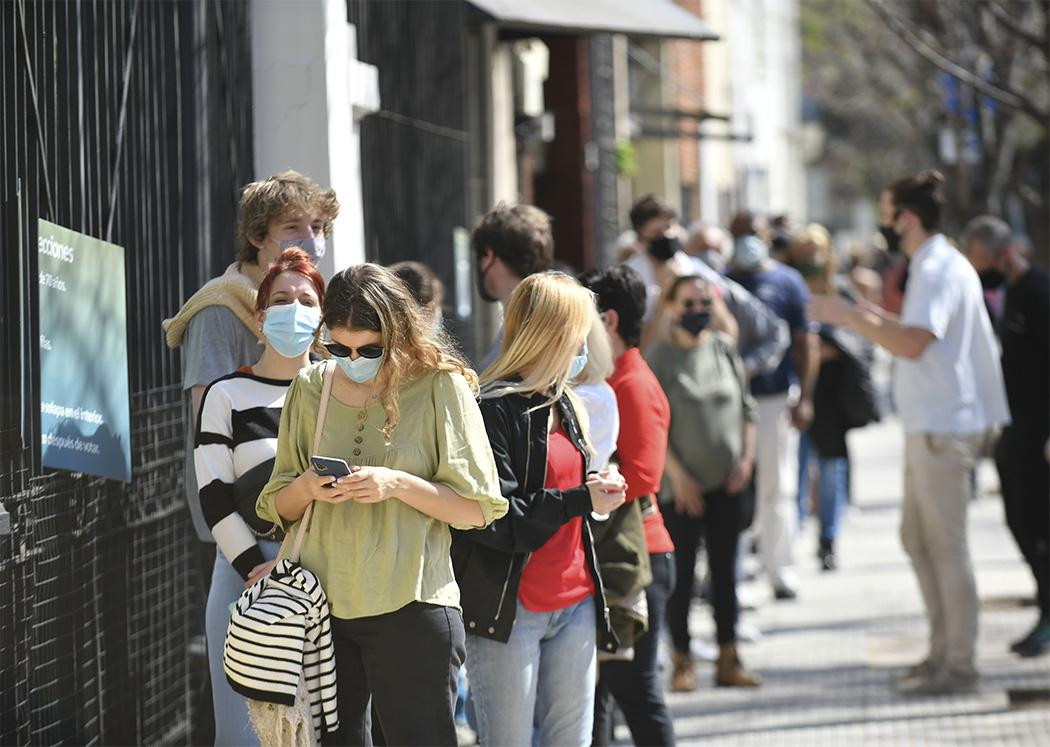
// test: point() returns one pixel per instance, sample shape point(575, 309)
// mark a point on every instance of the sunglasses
point(690, 304)
point(344, 351)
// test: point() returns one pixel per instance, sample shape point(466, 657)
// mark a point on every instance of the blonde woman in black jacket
point(531, 590)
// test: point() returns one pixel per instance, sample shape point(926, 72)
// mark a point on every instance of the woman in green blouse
point(403, 415)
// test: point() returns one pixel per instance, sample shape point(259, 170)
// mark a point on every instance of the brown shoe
point(729, 672)
point(683, 673)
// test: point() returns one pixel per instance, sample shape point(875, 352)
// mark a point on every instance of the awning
point(649, 18)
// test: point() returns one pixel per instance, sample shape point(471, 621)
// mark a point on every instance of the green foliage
point(626, 159)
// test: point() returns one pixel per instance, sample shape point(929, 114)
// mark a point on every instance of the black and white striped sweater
point(234, 451)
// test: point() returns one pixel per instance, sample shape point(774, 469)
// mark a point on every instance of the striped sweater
point(280, 632)
point(234, 449)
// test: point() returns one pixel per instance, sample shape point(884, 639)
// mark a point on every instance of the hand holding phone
point(329, 467)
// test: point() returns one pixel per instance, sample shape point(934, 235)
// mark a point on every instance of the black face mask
point(893, 239)
point(482, 291)
point(991, 278)
point(663, 248)
point(695, 322)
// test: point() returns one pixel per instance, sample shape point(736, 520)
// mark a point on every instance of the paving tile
point(827, 658)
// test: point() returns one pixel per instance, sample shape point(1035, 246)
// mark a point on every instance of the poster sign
point(85, 416)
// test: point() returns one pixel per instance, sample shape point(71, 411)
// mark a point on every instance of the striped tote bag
point(278, 651)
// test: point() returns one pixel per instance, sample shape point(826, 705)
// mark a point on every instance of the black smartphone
point(329, 466)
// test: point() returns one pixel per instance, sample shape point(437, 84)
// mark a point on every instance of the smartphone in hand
point(330, 467)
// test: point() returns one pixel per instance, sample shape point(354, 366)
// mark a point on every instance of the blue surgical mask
point(290, 327)
point(749, 252)
point(314, 246)
point(360, 369)
point(578, 363)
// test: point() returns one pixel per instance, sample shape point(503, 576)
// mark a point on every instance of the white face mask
point(314, 246)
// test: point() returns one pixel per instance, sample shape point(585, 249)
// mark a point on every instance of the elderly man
point(709, 244)
point(1021, 457)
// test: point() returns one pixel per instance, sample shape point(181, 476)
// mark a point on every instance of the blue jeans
point(805, 456)
point(541, 680)
point(231, 710)
point(834, 490)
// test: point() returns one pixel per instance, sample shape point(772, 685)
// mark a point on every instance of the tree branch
point(935, 57)
point(1003, 17)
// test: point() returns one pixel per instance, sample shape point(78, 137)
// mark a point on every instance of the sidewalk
point(827, 657)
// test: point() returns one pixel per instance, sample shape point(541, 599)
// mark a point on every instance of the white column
point(310, 93)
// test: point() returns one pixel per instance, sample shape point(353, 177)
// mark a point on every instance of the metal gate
point(128, 121)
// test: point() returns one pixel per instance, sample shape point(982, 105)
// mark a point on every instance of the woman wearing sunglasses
point(532, 592)
point(403, 416)
point(235, 444)
point(710, 457)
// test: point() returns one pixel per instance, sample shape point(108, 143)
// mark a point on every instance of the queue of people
point(537, 524)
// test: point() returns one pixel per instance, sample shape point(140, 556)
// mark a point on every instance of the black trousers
point(635, 684)
point(720, 528)
point(407, 662)
point(1024, 476)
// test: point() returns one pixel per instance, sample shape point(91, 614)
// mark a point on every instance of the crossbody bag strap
point(322, 410)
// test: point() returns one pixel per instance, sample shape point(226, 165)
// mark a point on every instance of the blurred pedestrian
point(710, 459)
point(1022, 455)
point(785, 403)
point(510, 242)
point(425, 286)
point(762, 337)
point(532, 590)
point(403, 417)
point(641, 450)
point(782, 230)
point(709, 244)
point(949, 390)
point(235, 446)
point(843, 397)
point(659, 256)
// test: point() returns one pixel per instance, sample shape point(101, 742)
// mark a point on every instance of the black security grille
point(422, 170)
point(127, 121)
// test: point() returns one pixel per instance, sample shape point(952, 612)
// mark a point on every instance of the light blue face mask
point(361, 369)
point(290, 327)
point(314, 246)
point(578, 363)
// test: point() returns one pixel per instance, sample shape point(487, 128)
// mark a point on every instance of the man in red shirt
point(641, 449)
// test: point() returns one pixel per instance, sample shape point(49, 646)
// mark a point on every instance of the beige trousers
point(937, 493)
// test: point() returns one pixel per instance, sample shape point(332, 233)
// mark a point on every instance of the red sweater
point(557, 575)
point(645, 417)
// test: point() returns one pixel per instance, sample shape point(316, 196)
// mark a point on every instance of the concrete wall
point(309, 92)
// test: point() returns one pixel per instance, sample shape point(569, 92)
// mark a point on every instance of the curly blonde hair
point(270, 199)
point(370, 297)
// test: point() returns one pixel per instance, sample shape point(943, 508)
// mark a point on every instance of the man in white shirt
point(949, 389)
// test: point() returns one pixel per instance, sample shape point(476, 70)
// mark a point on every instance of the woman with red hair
point(234, 450)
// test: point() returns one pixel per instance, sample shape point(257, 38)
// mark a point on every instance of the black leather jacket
point(488, 562)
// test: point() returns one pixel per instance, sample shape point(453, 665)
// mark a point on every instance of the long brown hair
point(370, 297)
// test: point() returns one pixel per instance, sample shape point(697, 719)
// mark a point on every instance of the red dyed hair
point(291, 260)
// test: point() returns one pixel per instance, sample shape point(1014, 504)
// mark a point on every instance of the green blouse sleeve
point(294, 439)
point(465, 462)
